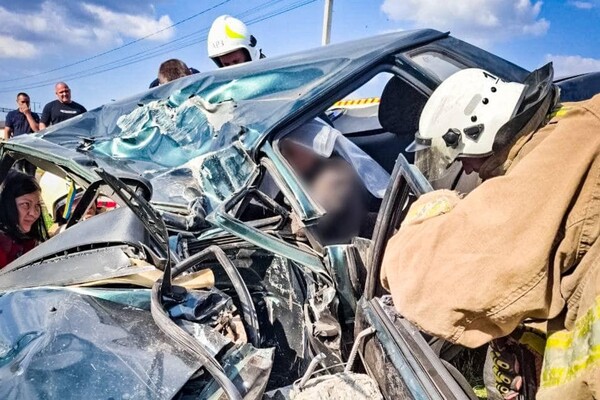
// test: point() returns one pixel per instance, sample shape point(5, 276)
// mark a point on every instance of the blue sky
point(39, 38)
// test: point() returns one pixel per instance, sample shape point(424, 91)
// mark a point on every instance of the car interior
point(398, 116)
point(397, 127)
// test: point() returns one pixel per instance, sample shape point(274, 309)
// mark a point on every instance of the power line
point(147, 54)
point(194, 37)
point(195, 40)
point(291, 7)
point(119, 47)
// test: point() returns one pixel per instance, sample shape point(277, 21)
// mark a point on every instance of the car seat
point(399, 112)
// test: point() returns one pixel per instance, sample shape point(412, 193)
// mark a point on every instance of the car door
point(397, 355)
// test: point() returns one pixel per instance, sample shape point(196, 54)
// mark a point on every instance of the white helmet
point(228, 34)
point(467, 110)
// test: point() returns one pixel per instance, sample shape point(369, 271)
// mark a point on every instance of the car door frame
point(397, 356)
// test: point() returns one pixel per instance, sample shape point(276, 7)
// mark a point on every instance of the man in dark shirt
point(62, 109)
point(22, 121)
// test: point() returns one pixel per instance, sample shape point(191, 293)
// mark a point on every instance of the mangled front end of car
point(198, 289)
point(107, 309)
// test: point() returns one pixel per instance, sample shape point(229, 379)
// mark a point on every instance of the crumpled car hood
point(56, 347)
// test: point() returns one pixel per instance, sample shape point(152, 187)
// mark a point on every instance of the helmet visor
point(435, 161)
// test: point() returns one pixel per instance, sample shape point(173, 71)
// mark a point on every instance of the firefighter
point(230, 42)
point(522, 246)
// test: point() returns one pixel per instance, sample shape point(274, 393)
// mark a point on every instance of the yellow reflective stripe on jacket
point(534, 341)
point(559, 112)
point(570, 353)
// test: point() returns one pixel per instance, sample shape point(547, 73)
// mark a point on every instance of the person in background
point(61, 109)
point(230, 42)
point(21, 224)
point(19, 122)
point(22, 120)
point(171, 70)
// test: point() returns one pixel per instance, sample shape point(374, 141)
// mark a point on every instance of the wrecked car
point(195, 284)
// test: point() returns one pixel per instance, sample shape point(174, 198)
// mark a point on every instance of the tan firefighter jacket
point(524, 244)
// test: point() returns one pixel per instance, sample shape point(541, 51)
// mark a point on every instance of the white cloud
point(583, 5)
point(12, 48)
point(572, 65)
point(479, 21)
point(53, 26)
point(135, 26)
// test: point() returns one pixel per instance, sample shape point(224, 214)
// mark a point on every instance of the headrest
point(400, 107)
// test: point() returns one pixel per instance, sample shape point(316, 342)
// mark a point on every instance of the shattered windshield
point(199, 139)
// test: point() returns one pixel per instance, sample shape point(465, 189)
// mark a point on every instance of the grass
point(470, 363)
point(48, 221)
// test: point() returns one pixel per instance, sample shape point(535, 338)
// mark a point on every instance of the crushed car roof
point(198, 134)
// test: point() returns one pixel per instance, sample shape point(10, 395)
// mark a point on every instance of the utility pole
point(327, 22)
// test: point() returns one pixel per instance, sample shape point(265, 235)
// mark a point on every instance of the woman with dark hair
point(21, 225)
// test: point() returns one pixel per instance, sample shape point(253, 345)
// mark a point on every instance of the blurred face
point(301, 159)
point(235, 57)
point(29, 208)
point(63, 93)
point(471, 164)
